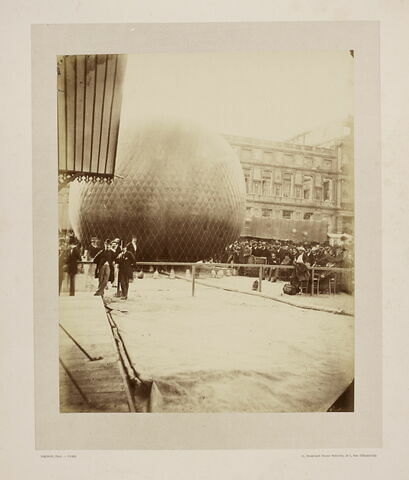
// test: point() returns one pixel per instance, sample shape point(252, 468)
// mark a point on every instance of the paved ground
point(341, 302)
point(229, 352)
point(84, 318)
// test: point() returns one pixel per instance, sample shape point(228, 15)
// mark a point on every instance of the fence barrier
point(195, 268)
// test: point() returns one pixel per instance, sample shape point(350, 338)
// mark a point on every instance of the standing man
point(125, 261)
point(62, 262)
point(117, 249)
point(90, 254)
point(105, 267)
point(73, 256)
point(132, 246)
point(94, 248)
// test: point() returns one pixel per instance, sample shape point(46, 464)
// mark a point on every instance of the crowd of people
point(113, 253)
point(279, 252)
point(116, 256)
point(301, 256)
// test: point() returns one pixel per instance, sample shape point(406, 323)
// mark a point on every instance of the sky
point(270, 95)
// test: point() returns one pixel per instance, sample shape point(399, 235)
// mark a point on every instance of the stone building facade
point(298, 182)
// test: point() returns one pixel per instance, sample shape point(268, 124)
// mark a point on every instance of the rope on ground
point(138, 390)
point(90, 357)
point(280, 300)
point(70, 376)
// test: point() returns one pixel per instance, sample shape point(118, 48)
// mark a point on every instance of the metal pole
point(69, 374)
point(79, 346)
point(193, 280)
point(260, 278)
point(312, 281)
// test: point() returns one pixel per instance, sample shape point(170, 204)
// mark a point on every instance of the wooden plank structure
point(89, 385)
point(89, 97)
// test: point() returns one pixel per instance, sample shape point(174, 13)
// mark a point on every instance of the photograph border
point(362, 428)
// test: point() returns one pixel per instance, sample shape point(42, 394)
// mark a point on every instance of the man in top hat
point(116, 246)
point(89, 269)
point(133, 246)
point(73, 256)
point(125, 261)
point(62, 266)
point(94, 248)
point(105, 266)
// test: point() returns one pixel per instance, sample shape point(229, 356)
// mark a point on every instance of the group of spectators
point(244, 251)
point(278, 252)
point(300, 255)
point(112, 253)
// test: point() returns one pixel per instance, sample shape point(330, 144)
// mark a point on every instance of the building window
point(286, 184)
point(347, 225)
point(327, 190)
point(288, 214)
point(308, 215)
point(307, 188)
point(278, 191)
point(247, 180)
point(266, 184)
point(266, 212)
point(298, 191)
point(318, 193)
point(256, 187)
point(346, 194)
point(248, 212)
point(317, 162)
point(266, 188)
point(257, 173)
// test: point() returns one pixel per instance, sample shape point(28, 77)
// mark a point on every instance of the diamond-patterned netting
point(182, 194)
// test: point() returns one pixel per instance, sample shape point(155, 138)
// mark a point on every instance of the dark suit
point(125, 262)
point(100, 259)
point(92, 251)
point(61, 266)
point(73, 256)
point(132, 249)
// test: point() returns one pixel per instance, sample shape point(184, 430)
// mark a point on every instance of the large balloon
point(180, 189)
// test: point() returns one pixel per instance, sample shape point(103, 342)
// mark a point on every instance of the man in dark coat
point(73, 256)
point(132, 246)
point(116, 247)
point(125, 261)
point(105, 267)
point(273, 272)
point(62, 266)
point(94, 248)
